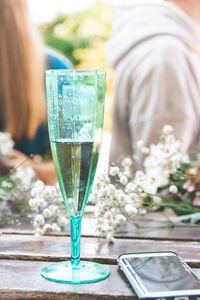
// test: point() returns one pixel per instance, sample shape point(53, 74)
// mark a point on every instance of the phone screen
point(163, 273)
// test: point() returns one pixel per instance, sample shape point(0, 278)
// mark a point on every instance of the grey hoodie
point(155, 51)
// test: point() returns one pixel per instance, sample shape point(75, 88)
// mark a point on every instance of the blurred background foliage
point(82, 37)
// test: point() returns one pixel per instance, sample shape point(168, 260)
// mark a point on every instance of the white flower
point(95, 193)
point(114, 171)
point(107, 180)
point(6, 184)
point(50, 191)
point(34, 192)
point(127, 199)
point(25, 176)
point(139, 175)
point(99, 184)
point(108, 215)
point(4, 137)
point(124, 180)
point(46, 227)
point(127, 173)
point(170, 139)
point(6, 144)
point(39, 232)
point(102, 194)
point(143, 211)
point(140, 144)
point(34, 203)
point(55, 227)
point(53, 208)
point(47, 213)
point(120, 174)
point(109, 237)
point(150, 187)
point(139, 189)
point(106, 228)
point(167, 129)
point(126, 162)
point(39, 201)
point(121, 197)
point(39, 219)
point(120, 204)
point(120, 219)
point(43, 203)
point(114, 210)
point(130, 187)
point(110, 189)
point(173, 189)
point(111, 223)
point(157, 199)
point(145, 150)
point(30, 173)
point(39, 185)
point(131, 210)
point(62, 221)
point(193, 171)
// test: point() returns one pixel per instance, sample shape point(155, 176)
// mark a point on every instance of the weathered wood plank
point(52, 248)
point(22, 280)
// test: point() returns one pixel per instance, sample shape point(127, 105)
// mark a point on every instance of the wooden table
point(22, 256)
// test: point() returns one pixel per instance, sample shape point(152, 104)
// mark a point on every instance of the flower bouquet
point(23, 195)
point(167, 178)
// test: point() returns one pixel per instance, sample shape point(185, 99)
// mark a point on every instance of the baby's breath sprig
point(167, 179)
point(22, 195)
point(48, 207)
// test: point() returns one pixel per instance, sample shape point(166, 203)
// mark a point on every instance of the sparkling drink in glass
point(75, 109)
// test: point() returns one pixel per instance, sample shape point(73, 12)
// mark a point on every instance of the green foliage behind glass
point(80, 30)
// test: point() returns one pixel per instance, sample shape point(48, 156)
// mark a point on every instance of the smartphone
point(160, 275)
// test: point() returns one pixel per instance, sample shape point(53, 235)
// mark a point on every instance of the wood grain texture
point(22, 280)
point(22, 256)
point(52, 248)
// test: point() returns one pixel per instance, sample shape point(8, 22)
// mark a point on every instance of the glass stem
point(75, 223)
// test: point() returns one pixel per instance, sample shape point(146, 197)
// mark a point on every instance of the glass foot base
point(86, 271)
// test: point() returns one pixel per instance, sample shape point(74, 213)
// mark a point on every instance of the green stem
point(75, 223)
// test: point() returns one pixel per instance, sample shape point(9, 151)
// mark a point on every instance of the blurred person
point(155, 52)
point(22, 92)
point(55, 60)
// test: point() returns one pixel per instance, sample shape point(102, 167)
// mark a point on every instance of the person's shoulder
point(168, 51)
point(166, 46)
point(163, 55)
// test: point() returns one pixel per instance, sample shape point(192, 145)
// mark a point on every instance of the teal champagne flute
point(75, 110)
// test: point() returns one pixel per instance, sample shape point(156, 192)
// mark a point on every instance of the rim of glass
point(75, 71)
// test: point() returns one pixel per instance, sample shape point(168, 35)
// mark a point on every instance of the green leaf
point(193, 218)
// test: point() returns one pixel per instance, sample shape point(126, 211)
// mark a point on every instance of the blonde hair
point(22, 98)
